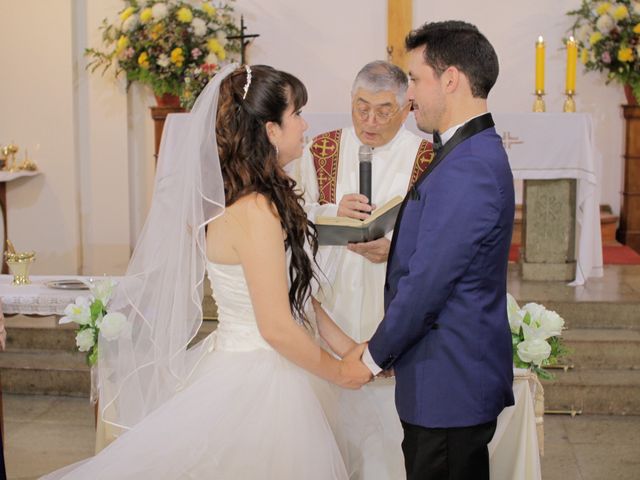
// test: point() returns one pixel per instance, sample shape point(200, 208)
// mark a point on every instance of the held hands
point(353, 373)
point(376, 251)
point(354, 205)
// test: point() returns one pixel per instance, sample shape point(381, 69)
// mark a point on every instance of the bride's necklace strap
point(246, 85)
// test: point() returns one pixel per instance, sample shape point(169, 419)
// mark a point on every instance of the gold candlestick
point(569, 103)
point(538, 103)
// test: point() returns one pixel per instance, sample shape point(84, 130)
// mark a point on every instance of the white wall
point(36, 108)
point(84, 213)
point(325, 44)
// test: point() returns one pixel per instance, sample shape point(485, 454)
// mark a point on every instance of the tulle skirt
point(255, 415)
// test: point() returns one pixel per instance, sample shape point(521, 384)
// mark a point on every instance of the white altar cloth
point(36, 298)
point(541, 146)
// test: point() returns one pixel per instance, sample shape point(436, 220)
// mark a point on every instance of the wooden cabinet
point(629, 231)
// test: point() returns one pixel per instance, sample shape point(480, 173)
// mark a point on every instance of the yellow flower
point(121, 44)
point(636, 29)
point(213, 45)
point(177, 57)
point(209, 10)
point(595, 38)
point(143, 60)
point(584, 56)
point(620, 12)
point(221, 54)
point(184, 15)
point(146, 15)
point(126, 13)
point(603, 8)
point(156, 31)
point(625, 54)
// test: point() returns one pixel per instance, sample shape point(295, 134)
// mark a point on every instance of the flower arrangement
point(90, 313)
point(608, 34)
point(164, 43)
point(535, 334)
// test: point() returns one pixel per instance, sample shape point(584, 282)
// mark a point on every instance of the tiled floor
point(45, 433)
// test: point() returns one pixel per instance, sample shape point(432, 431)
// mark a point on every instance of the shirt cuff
point(367, 359)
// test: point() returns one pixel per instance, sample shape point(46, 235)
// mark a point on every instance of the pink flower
point(196, 52)
point(606, 57)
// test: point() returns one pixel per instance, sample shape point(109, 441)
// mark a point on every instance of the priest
point(328, 174)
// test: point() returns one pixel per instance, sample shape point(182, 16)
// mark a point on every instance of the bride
point(253, 400)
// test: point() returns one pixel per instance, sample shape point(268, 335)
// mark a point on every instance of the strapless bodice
point(237, 328)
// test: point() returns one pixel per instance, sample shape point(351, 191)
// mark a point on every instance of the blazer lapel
point(468, 130)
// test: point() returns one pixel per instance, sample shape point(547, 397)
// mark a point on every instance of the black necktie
point(437, 141)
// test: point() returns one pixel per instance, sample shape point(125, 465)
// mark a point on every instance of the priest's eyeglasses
point(382, 115)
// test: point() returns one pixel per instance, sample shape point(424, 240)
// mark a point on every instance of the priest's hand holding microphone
point(359, 206)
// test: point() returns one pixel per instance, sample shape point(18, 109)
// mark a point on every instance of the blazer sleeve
point(460, 208)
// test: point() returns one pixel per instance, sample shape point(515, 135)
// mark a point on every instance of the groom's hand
point(376, 251)
point(354, 373)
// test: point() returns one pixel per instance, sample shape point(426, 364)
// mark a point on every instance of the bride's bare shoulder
point(252, 208)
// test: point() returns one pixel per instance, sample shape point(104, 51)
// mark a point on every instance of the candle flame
point(571, 39)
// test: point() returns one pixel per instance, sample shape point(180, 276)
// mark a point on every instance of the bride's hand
point(353, 373)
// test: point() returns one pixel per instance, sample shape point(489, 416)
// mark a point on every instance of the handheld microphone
point(364, 155)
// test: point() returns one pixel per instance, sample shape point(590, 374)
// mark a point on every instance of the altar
point(540, 146)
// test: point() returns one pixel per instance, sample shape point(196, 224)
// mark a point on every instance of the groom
point(445, 329)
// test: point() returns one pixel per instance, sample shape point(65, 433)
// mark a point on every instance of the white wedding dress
point(249, 413)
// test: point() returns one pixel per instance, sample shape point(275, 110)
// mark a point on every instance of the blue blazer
point(445, 330)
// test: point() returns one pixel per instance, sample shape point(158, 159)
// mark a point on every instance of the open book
point(343, 230)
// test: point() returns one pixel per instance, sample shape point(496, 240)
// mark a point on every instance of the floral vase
point(168, 100)
point(628, 91)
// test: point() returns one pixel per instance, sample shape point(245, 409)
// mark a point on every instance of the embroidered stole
point(325, 151)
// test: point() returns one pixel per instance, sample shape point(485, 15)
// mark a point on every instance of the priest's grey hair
point(379, 76)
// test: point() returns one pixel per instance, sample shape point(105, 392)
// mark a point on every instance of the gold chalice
point(19, 263)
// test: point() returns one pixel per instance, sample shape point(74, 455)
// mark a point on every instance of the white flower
point(130, 23)
point(102, 289)
point(163, 60)
point(222, 38)
point(79, 312)
point(551, 323)
point(159, 11)
point(514, 314)
point(535, 310)
point(112, 325)
point(636, 7)
point(199, 27)
point(583, 33)
point(211, 59)
point(84, 340)
point(534, 350)
point(605, 24)
point(544, 323)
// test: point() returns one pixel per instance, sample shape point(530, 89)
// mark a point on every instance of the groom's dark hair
point(458, 44)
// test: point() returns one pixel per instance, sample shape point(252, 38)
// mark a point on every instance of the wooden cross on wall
point(399, 24)
point(243, 39)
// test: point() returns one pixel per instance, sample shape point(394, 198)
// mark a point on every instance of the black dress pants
point(447, 453)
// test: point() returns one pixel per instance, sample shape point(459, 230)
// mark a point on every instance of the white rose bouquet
point(535, 334)
point(90, 313)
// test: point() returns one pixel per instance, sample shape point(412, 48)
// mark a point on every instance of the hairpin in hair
point(246, 85)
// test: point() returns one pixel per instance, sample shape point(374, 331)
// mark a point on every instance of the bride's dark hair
point(249, 161)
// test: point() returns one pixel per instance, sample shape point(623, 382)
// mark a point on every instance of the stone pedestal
point(549, 230)
point(629, 231)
